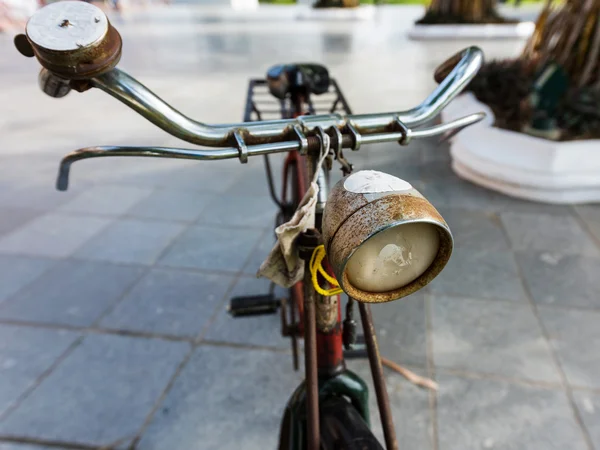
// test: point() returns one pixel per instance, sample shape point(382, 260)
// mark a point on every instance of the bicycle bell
point(383, 239)
point(72, 39)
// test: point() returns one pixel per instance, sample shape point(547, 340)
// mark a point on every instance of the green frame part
point(345, 383)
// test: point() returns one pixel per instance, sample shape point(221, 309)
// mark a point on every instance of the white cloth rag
point(283, 266)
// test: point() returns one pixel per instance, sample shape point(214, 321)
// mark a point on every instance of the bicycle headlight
point(383, 239)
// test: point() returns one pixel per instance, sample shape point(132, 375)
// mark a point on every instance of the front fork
point(326, 375)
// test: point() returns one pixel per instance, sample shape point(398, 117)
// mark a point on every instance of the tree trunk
point(462, 12)
point(570, 36)
point(336, 4)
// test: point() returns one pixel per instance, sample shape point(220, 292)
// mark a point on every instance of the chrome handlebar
point(139, 98)
point(242, 140)
point(79, 48)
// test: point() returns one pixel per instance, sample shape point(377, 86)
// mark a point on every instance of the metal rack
point(261, 105)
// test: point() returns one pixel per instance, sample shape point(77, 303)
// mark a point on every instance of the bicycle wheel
point(343, 428)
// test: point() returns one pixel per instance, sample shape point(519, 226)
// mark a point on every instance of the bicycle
point(79, 49)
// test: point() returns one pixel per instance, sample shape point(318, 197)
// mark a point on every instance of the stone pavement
point(113, 330)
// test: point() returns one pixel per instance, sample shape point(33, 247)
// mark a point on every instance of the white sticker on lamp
point(373, 182)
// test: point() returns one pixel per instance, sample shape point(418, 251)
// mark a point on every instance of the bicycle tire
point(343, 428)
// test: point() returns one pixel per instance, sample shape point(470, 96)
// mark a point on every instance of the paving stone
point(18, 271)
point(100, 394)
point(436, 153)
point(212, 248)
point(13, 218)
point(72, 292)
point(574, 334)
point(25, 354)
point(246, 211)
point(131, 241)
point(171, 204)
point(204, 177)
point(170, 302)
point(254, 182)
point(253, 330)
point(504, 203)
point(558, 279)
point(53, 235)
point(394, 155)
point(223, 399)
point(260, 253)
point(547, 232)
point(409, 405)
point(475, 336)
point(40, 197)
point(456, 193)
point(435, 171)
point(588, 405)
point(591, 216)
point(15, 446)
point(108, 200)
point(445, 190)
point(484, 414)
point(480, 274)
point(401, 329)
point(475, 229)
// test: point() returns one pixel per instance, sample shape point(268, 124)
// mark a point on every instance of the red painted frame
point(330, 350)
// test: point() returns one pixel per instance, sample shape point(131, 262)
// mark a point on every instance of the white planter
point(521, 30)
point(307, 12)
point(244, 5)
point(521, 165)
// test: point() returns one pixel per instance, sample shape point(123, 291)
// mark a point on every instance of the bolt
point(96, 19)
point(65, 23)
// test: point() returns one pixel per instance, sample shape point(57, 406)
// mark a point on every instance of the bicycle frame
point(299, 103)
point(326, 351)
point(326, 372)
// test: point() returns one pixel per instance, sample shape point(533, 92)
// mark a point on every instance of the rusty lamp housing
point(383, 239)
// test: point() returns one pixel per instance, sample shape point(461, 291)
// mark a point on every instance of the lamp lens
point(393, 258)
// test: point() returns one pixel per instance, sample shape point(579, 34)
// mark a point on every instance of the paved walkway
point(113, 330)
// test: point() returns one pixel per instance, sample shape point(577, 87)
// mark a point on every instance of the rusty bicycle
point(372, 236)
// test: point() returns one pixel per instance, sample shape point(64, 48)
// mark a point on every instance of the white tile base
point(244, 5)
point(559, 197)
point(521, 165)
point(521, 30)
point(307, 12)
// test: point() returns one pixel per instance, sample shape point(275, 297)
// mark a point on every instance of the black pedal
point(358, 351)
point(356, 354)
point(254, 305)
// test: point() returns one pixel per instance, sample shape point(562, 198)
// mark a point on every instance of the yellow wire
point(316, 267)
